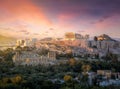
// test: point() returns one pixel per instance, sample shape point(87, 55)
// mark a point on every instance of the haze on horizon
point(45, 18)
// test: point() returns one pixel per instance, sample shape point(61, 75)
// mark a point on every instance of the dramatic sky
point(42, 18)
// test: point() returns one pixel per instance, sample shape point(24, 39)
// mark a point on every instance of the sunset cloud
point(55, 17)
point(22, 10)
point(36, 34)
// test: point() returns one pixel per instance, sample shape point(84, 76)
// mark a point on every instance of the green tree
point(8, 54)
point(86, 68)
point(95, 38)
point(72, 62)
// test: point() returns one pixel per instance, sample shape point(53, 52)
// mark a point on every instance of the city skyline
point(46, 18)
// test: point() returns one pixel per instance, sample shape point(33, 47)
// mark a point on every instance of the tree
point(43, 51)
point(67, 78)
point(72, 62)
point(47, 85)
point(95, 38)
point(86, 68)
point(8, 54)
point(65, 88)
point(111, 57)
point(18, 49)
point(26, 48)
point(6, 80)
point(84, 80)
point(16, 80)
point(114, 58)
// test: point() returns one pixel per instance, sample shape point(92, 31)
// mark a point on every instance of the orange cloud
point(23, 10)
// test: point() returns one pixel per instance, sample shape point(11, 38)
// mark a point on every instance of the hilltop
point(5, 39)
point(105, 37)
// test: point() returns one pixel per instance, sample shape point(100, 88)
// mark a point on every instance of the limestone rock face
point(105, 37)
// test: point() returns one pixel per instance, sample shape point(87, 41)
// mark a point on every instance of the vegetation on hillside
point(50, 77)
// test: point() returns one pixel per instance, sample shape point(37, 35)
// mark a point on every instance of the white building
point(75, 39)
point(26, 42)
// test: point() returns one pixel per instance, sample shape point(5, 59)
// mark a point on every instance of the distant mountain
point(105, 37)
point(50, 39)
point(4, 39)
point(118, 39)
point(46, 39)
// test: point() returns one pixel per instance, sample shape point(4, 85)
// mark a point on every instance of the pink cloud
point(23, 10)
point(113, 21)
point(109, 26)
